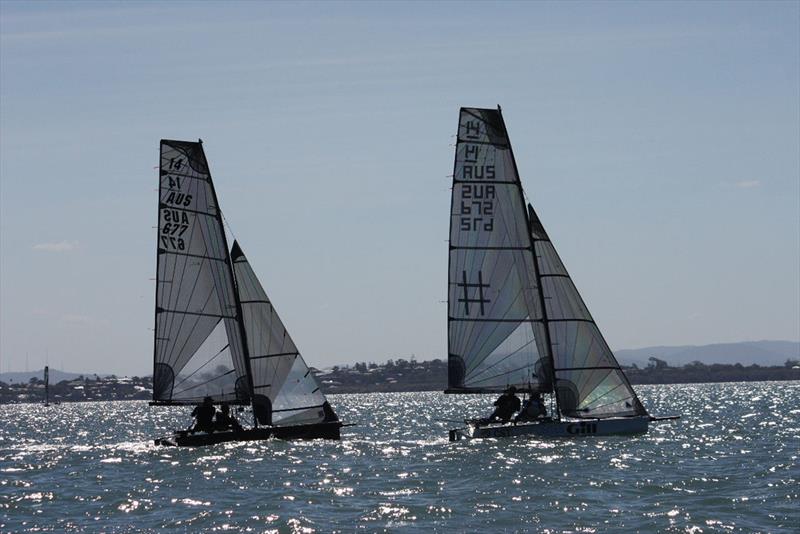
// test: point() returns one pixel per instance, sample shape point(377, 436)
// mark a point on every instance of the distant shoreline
point(392, 377)
point(403, 375)
point(147, 397)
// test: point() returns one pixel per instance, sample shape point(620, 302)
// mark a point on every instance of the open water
point(730, 465)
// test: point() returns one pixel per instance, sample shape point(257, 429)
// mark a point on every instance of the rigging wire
point(227, 225)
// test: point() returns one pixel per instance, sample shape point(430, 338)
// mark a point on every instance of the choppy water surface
point(730, 465)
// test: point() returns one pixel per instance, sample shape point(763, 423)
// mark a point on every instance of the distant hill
point(56, 376)
point(762, 353)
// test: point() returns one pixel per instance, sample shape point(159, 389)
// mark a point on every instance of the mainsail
point(283, 385)
point(495, 319)
point(589, 381)
point(199, 347)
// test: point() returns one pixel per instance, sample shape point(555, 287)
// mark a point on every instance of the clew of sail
point(199, 346)
point(281, 378)
point(494, 311)
point(589, 381)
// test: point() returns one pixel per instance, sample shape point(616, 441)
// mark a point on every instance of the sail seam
point(262, 356)
point(482, 182)
point(485, 320)
point(189, 255)
point(485, 143)
point(165, 206)
point(182, 175)
point(199, 314)
point(298, 409)
point(464, 247)
point(588, 368)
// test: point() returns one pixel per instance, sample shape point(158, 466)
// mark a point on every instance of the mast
point(545, 322)
point(237, 300)
point(532, 248)
point(158, 270)
point(46, 385)
point(450, 257)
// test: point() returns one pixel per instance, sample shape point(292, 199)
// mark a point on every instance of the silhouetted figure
point(204, 414)
point(532, 409)
point(262, 410)
point(226, 421)
point(330, 415)
point(507, 404)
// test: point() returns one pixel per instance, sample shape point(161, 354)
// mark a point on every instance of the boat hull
point(316, 431)
point(549, 428)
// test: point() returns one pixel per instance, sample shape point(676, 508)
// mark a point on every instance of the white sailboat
point(515, 318)
point(217, 335)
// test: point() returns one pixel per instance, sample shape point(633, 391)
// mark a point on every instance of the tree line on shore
point(393, 376)
point(411, 375)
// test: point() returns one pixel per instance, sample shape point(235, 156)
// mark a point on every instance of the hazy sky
point(658, 142)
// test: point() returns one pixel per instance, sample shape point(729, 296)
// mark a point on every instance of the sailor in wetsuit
point(204, 414)
point(507, 404)
point(532, 410)
point(225, 421)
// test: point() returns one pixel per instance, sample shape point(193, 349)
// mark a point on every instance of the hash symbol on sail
point(466, 287)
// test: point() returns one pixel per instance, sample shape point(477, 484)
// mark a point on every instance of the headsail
point(281, 379)
point(589, 381)
point(495, 329)
point(199, 345)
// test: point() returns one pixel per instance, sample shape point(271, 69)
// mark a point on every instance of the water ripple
point(730, 465)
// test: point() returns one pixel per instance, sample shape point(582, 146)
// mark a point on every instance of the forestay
point(199, 347)
point(589, 381)
point(278, 370)
point(494, 309)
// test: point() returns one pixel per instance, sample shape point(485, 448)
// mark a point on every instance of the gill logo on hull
point(582, 428)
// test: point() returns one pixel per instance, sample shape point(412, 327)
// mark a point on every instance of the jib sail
point(285, 390)
point(589, 381)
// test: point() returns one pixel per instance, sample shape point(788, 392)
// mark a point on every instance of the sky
point(657, 141)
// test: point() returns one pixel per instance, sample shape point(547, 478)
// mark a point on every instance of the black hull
point(316, 431)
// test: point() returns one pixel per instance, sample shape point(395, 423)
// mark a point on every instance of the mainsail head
point(495, 329)
point(199, 347)
point(281, 378)
point(589, 381)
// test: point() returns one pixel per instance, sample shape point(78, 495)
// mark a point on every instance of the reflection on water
point(731, 464)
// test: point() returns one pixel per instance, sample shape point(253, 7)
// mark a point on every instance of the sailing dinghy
point(217, 333)
point(515, 318)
